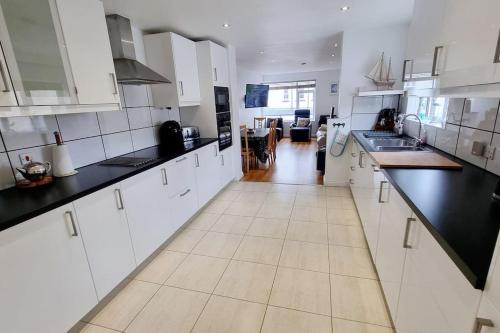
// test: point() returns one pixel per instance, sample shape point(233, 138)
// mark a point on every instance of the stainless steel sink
point(391, 142)
point(412, 148)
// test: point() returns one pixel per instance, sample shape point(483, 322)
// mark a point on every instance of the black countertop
point(457, 209)
point(19, 205)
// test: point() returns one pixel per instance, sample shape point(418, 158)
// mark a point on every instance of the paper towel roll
point(62, 164)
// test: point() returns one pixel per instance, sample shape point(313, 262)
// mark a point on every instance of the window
point(431, 110)
point(286, 97)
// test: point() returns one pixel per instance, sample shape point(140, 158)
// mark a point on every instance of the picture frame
point(334, 88)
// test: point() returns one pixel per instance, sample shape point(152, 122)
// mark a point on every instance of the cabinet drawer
point(179, 174)
point(185, 205)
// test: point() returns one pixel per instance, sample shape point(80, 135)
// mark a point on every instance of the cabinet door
point(390, 257)
point(148, 210)
point(34, 48)
point(105, 233)
point(435, 296)
point(220, 70)
point(186, 70)
point(46, 285)
point(226, 172)
point(207, 165)
point(87, 43)
point(470, 36)
point(184, 205)
point(180, 171)
point(7, 95)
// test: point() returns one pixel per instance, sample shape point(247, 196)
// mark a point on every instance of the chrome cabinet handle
point(353, 154)
point(407, 232)
point(164, 176)
point(222, 159)
point(182, 88)
point(497, 51)
point(353, 168)
point(197, 162)
point(215, 151)
point(435, 60)
point(183, 194)
point(115, 86)
point(480, 323)
point(215, 74)
point(380, 191)
point(181, 159)
point(360, 160)
point(375, 169)
point(119, 199)
point(351, 181)
point(404, 70)
point(3, 74)
point(74, 230)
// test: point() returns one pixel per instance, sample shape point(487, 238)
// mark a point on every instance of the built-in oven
point(224, 130)
point(221, 99)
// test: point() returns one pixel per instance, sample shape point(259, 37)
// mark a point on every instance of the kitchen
point(114, 217)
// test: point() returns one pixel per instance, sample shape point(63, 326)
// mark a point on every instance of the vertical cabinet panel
point(186, 69)
point(226, 172)
point(105, 233)
point(7, 95)
point(46, 285)
point(87, 43)
point(207, 167)
point(220, 70)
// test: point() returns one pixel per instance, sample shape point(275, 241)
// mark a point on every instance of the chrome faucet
point(418, 140)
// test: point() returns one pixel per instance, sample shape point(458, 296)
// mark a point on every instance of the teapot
point(33, 171)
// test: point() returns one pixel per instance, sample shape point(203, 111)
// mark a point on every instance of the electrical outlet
point(25, 157)
point(489, 152)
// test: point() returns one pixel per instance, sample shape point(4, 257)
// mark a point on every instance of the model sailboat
point(381, 74)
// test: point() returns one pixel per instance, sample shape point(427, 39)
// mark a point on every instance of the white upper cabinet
point(105, 233)
point(87, 43)
point(174, 57)
point(56, 53)
point(215, 57)
point(46, 285)
point(7, 94)
point(470, 37)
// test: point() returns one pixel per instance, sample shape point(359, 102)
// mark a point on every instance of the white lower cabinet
point(45, 284)
point(226, 172)
point(148, 210)
point(105, 233)
point(207, 172)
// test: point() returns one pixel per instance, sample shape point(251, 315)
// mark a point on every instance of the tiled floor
point(261, 257)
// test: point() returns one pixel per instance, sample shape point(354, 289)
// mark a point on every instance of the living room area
point(298, 105)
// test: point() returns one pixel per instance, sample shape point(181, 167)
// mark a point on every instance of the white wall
point(247, 76)
point(360, 51)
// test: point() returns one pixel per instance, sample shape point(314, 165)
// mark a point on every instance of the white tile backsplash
point(390, 102)
point(117, 144)
point(135, 96)
point(455, 109)
point(430, 134)
point(143, 138)
point(86, 151)
point(446, 138)
point(78, 125)
point(22, 132)
point(367, 104)
point(497, 126)
point(2, 146)
point(494, 165)
point(6, 175)
point(480, 113)
point(159, 116)
point(464, 147)
point(175, 114)
point(113, 121)
point(363, 121)
point(139, 117)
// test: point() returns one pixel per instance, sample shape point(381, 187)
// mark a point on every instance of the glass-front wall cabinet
point(36, 63)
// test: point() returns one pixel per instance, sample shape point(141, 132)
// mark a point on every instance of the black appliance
point(224, 130)
point(171, 136)
point(221, 99)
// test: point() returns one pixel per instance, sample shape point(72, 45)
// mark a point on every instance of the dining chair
point(258, 122)
point(247, 154)
point(273, 126)
point(271, 142)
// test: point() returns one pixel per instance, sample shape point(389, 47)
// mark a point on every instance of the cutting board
point(414, 160)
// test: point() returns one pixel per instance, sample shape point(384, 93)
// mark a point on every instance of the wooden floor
point(295, 164)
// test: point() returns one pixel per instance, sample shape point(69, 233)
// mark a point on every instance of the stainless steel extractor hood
point(128, 69)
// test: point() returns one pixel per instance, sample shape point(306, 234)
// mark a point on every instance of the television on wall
point(256, 96)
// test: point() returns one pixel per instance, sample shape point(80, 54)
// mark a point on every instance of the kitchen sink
point(400, 148)
point(391, 142)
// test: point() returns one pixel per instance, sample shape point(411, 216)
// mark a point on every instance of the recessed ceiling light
point(226, 25)
point(261, 52)
point(344, 8)
point(333, 54)
point(335, 45)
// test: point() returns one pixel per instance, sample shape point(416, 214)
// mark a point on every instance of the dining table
point(257, 140)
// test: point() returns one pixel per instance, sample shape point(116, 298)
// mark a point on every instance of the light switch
point(478, 148)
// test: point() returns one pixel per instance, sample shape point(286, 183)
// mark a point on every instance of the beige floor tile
point(186, 240)
point(161, 267)
point(284, 188)
point(352, 261)
point(89, 328)
point(307, 232)
point(301, 290)
point(268, 228)
point(334, 204)
point(243, 208)
point(204, 221)
point(218, 245)
point(346, 235)
point(344, 217)
point(338, 192)
point(227, 315)
point(247, 281)
point(198, 273)
point(259, 249)
point(311, 189)
point(251, 197)
point(232, 224)
point(358, 299)
point(309, 256)
point(347, 203)
point(274, 211)
point(279, 320)
point(309, 214)
point(170, 310)
point(120, 311)
point(235, 186)
point(280, 198)
point(310, 200)
point(347, 326)
point(257, 186)
point(217, 206)
point(228, 195)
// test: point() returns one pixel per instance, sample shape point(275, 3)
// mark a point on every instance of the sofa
point(279, 126)
point(301, 133)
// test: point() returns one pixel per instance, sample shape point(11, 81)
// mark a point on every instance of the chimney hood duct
point(128, 69)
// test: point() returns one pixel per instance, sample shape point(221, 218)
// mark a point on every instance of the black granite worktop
point(456, 207)
point(19, 205)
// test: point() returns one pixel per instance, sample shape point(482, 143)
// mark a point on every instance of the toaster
point(190, 133)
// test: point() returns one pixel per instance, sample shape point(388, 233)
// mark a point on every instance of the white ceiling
point(289, 32)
